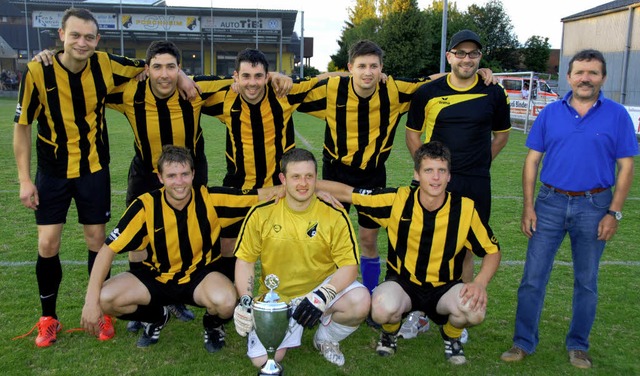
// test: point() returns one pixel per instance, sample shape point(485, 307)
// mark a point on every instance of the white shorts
point(293, 337)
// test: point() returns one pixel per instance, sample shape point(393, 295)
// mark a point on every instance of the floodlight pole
point(443, 36)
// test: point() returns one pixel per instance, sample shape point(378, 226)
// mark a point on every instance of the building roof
point(613, 5)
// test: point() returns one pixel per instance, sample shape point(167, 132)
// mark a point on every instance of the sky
point(324, 19)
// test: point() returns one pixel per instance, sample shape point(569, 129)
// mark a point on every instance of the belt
point(573, 193)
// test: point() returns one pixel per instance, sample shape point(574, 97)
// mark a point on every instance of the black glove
point(313, 305)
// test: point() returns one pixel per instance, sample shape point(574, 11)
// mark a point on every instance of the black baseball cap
point(463, 36)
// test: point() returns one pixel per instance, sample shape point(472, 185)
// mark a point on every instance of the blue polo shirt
point(580, 153)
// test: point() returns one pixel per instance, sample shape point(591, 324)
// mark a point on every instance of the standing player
point(179, 224)
point(471, 118)
point(429, 229)
point(311, 247)
point(259, 130)
point(67, 100)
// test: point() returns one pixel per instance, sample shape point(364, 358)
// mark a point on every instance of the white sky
point(324, 19)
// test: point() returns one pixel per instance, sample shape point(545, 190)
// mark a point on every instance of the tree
point(403, 37)
point(362, 24)
point(493, 24)
point(536, 53)
point(456, 20)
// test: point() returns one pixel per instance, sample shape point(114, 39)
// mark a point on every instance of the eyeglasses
point(462, 54)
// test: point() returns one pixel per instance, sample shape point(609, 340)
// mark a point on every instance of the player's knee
point(383, 307)
point(360, 302)
point(472, 317)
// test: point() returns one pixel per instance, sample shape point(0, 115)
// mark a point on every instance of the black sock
point(92, 260)
point(213, 321)
point(49, 276)
point(145, 313)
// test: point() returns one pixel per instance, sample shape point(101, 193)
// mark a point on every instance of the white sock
point(333, 332)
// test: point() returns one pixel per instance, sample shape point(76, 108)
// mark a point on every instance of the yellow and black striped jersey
point(462, 119)
point(258, 135)
point(427, 247)
point(180, 241)
point(170, 121)
point(360, 131)
point(301, 248)
point(69, 107)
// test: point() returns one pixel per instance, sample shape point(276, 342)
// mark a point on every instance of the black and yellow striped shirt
point(69, 107)
point(179, 242)
point(258, 134)
point(427, 247)
point(169, 121)
point(360, 131)
point(462, 119)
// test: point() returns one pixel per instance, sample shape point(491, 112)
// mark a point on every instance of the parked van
point(520, 88)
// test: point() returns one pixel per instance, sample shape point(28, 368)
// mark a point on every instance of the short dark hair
point(365, 47)
point(174, 154)
point(81, 13)
point(297, 155)
point(252, 56)
point(158, 47)
point(432, 150)
point(588, 55)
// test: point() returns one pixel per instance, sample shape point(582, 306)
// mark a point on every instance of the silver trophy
point(271, 322)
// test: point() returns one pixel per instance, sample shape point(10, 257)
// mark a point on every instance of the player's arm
point(413, 140)
point(91, 312)
point(529, 176)
point(22, 152)
point(340, 191)
point(608, 224)
point(281, 83)
point(476, 292)
point(498, 142)
point(344, 276)
point(245, 282)
point(271, 193)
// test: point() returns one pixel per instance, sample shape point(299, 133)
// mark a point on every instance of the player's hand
point(142, 75)
point(383, 78)
point(29, 195)
point(487, 76)
point(45, 57)
point(329, 199)
point(91, 317)
point(187, 87)
point(313, 305)
point(607, 227)
point(528, 222)
point(474, 296)
point(242, 317)
point(281, 84)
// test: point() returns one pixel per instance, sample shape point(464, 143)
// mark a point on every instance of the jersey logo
point(158, 229)
point(405, 219)
point(114, 234)
point(49, 89)
point(277, 228)
point(312, 229)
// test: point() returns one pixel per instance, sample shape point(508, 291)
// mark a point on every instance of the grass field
point(614, 338)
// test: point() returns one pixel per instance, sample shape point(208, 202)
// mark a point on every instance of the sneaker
point(134, 326)
point(388, 344)
point(580, 359)
point(514, 354)
point(48, 328)
point(181, 312)
point(330, 351)
point(453, 351)
point(214, 338)
point(151, 331)
point(107, 330)
point(465, 336)
point(414, 324)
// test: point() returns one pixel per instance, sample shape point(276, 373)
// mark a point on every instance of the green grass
point(180, 351)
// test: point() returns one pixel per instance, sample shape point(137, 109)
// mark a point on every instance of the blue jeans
point(558, 214)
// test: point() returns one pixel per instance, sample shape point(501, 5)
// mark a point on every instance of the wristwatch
point(616, 214)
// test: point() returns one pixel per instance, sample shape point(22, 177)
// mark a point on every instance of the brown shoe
point(514, 354)
point(579, 359)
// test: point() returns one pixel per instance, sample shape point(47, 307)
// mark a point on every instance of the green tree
point(493, 24)
point(403, 37)
point(362, 24)
point(536, 53)
point(456, 20)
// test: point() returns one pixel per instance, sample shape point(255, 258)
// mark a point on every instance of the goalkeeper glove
point(242, 316)
point(313, 305)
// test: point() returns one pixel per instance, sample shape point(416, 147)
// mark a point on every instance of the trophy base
point(270, 368)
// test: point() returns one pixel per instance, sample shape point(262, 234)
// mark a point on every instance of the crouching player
point(429, 229)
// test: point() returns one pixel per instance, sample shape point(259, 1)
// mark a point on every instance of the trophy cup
point(271, 322)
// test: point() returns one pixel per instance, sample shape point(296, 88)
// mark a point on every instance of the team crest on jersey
point(277, 228)
point(494, 240)
point(312, 229)
point(246, 191)
point(114, 234)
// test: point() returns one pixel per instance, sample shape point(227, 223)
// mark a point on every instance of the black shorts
point(477, 188)
point(91, 193)
point(141, 180)
point(357, 178)
point(231, 232)
point(423, 298)
point(172, 293)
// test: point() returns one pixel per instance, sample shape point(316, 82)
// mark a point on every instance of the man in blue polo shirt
point(584, 137)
